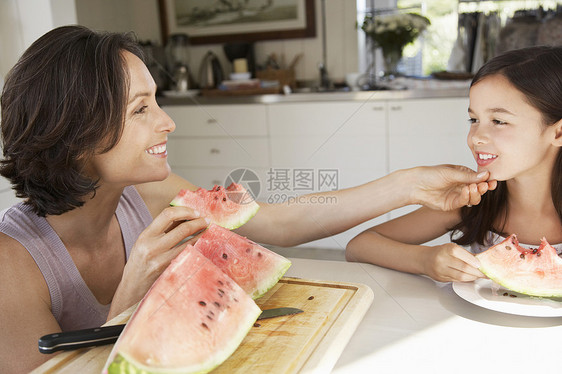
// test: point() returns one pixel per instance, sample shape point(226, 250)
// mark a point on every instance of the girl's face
point(140, 155)
point(507, 136)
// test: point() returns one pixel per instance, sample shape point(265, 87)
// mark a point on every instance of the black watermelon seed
point(204, 325)
point(224, 199)
point(202, 303)
point(221, 282)
point(508, 247)
point(539, 254)
point(259, 254)
point(217, 304)
point(257, 324)
point(535, 250)
point(225, 256)
point(209, 317)
point(522, 255)
point(311, 298)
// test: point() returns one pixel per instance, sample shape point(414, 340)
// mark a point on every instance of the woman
point(85, 145)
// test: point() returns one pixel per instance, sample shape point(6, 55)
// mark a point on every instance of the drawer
point(328, 119)
point(218, 152)
point(219, 120)
point(345, 152)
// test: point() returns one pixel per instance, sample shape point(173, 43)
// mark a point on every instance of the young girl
point(515, 134)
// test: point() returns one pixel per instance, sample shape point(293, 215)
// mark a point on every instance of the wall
point(21, 23)
point(142, 17)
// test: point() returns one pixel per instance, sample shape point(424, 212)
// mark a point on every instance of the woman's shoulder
point(18, 270)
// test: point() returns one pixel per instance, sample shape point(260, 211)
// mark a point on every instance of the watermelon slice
point(535, 272)
point(256, 269)
point(229, 207)
point(191, 320)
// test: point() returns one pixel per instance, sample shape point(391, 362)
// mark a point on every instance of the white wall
point(141, 16)
point(21, 23)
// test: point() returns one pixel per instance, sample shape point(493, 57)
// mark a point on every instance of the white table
point(416, 325)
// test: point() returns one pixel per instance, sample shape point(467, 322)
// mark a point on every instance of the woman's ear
point(557, 141)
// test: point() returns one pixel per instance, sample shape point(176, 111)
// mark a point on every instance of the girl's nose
point(478, 135)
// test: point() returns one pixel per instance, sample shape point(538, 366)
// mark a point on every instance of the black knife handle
point(79, 339)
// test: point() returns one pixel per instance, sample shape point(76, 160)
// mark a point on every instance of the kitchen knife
point(108, 334)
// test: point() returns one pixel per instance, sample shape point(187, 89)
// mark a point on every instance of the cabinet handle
point(215, 151)
point(211, 121)
point(378, 108)
point(396, 107)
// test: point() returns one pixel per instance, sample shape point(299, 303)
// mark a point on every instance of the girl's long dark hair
point(537, 73)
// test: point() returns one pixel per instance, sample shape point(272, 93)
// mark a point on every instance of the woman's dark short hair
point(63, 102)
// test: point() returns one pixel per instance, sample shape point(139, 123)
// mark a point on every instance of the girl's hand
point(155, 247)
point(451, 263)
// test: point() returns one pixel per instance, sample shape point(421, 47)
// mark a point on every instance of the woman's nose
point(165, 123)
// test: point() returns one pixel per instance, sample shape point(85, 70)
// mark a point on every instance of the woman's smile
point(158, 150)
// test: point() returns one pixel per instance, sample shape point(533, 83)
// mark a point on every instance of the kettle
point(210, 71)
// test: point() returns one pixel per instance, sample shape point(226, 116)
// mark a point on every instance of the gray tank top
point(73, 305)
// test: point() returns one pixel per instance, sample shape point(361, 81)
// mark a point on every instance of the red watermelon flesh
point(256, 269)
point(190, 321)
point(229, 207)
point(535, 272)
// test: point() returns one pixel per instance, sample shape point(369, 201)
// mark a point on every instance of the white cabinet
point(348, 138)
point(428, 132)
point(340, 143)
point(210, 141)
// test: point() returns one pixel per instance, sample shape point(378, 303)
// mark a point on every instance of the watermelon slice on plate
point(191, 320)
point(229, 207)
point(534, 272)
point(256, 269)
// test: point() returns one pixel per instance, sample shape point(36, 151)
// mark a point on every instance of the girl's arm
point(396, 244)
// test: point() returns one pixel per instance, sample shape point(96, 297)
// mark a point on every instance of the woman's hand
point(155, 247)
point(449, 187)
point(451, 263)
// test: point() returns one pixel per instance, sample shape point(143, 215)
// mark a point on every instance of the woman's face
point(140, 155)
point(507, 136)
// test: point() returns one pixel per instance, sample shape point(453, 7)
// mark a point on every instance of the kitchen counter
point(416, 325)
point(420, 92)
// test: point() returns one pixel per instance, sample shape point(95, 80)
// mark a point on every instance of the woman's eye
point(141, 110)
point(499, 122)
point(472, 120)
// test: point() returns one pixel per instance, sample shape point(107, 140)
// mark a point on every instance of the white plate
point(485, 293)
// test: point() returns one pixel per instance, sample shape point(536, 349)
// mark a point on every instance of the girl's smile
point(485, 159)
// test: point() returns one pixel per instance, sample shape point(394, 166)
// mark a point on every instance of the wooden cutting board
point(305, 342)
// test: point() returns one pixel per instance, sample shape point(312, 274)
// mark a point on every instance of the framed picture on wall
point(221, 21)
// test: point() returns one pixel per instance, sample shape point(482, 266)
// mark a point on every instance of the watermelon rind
point(520, 270)
point(255, 268)
point(229, 214)
point(174, 331)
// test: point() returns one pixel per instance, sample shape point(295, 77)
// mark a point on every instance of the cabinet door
point(428, 132)
point(219, 120)
point(201, 152)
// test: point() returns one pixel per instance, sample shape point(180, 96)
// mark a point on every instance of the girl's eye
point(141, 110)
point(499, 122)
point(472, 121)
